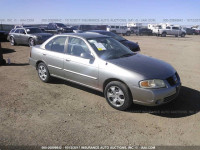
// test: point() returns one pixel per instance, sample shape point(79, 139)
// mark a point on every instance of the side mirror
point(87, 56)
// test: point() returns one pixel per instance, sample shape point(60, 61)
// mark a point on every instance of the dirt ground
point(63, 113)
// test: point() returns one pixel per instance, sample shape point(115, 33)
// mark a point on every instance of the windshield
point(33, 30)
point(113, 35)
point(60, 25)
point(109, 48)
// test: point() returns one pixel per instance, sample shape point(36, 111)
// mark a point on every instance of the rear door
point(176, 30)
point(53, 55)
point(16, 36)
point(23, 37)
point(77, 68)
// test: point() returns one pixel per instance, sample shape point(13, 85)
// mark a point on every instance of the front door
point(77, 67)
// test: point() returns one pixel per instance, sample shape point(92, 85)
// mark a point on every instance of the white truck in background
point(119, 30)
point(170, 30)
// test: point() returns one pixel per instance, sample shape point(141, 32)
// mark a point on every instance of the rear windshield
point(33, 30)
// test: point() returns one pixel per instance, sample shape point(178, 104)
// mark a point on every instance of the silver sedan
point(102, 63)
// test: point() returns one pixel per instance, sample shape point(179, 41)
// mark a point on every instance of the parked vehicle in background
point(172, 30)
point(3, 35)
point(189, 31)
point(119, 30)
point(2, 61)
point(143, 31)
point(104, 64)
point(30, 36)
point(21, 26)
point(91, 27)
point(133, 29)
point(57, 28)
point(131, 45)
point(155, 29)
point(196, 31)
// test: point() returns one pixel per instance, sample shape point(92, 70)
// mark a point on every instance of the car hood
point(42, 34)
point(148, 67)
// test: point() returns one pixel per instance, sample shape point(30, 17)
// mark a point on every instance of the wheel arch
point(38, 62)
point(115, 79)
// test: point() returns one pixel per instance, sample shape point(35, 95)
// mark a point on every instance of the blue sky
point(152, 10)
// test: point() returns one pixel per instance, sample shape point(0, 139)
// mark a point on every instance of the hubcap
point(31, 43)
point(115, 96)
point(42, 72)
point(12, 41)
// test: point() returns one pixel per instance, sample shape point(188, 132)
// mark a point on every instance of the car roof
point(30, 27)
point(85, 35)
point(26, 28)
point(98, 31)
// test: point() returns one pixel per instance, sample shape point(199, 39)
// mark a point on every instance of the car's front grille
point(173, 79)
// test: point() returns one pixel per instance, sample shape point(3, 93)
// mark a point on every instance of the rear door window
point(17, 31)
point(57, 44)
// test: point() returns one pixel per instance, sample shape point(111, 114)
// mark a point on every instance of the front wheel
point(12, 41)
point(183, 35)
point(43, 72)
point(117, 95)
point(31, 42)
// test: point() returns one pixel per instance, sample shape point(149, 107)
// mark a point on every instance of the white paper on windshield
point(100, 46)
point(28, 30)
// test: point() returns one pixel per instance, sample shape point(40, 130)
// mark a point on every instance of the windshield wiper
point(127, 55)
point(123, 40)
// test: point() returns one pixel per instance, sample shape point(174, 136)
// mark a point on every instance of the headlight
point(155, 83)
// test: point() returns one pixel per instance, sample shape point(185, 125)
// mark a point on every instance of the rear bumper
point(32, 62)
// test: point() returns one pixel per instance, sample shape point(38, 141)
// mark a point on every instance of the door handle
point(44, 54)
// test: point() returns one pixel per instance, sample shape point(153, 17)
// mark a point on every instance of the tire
point(183, 35)
point(43, 72)
point(176, 35)
point(128, 33)
point(12, 41)
point(31, 42)
point(164, 34)
point(117, 95)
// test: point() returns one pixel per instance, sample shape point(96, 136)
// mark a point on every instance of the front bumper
point(154, 97)
point(41, 40)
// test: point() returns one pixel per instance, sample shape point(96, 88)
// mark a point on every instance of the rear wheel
point(43, 72)
point(128, 33)
point(164, 34)
point(117, 95)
